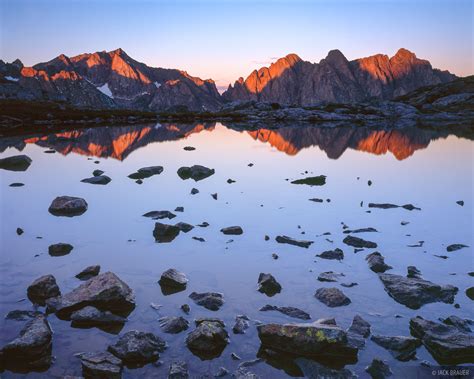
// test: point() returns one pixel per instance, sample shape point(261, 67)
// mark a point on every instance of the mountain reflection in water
point(120, 141)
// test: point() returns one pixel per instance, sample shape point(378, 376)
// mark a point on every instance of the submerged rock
point(60, 249)
point(363, 230)
point(268, 285)
point(97, 179)
point(89, 272)
point(402, 348)
point(377, 263)
point(378, 369)
point(291, 241)
point(312, 340)
point(173, 325)
point(332, 297)
point(456, 246)
point(409, 207)
point(416, 292)
point(195, 172)
point(332, 254)
point(100, 365)
point(105, 292)
point(136, 348)
point(329, 276)
point(209, 338)
point(447, 344)
point(178, 369)
point(15, 163)
point(232, 230)
point(186, 308)
point(312, 181)
point(314, 370)
point(164, 233)
point(461, 324)
point(359, 242)
point(241, 324)
point(31, 349)
point(146, 172)
point(158, 215)
point(22, 315)
point(209, 300)
point(289, 311)
point(91, 316)
point(43, 288)
point(68, 206)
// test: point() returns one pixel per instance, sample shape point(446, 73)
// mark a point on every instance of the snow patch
point(106, 90)
point(12, 79)
point(158, 85)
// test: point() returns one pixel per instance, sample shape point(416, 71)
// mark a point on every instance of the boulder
point(289, 311)
point(105, 292)
point(377, 263)
point(98, 179)
point(402, 348)
point(332, 254)
point(359, 242)
point(462, 324)
point(416, 292)
point(311, 181)
point(68, 206)
point(209, 338)
point(291, 241)
point(60, 249)
point(146, 172)
point(88, 272)
point(172, 281)
point(22, 315)
point(165, 233)
point(332, 297)
point(447, 344)
point(32, 348)
point(43, 288)
point(209, 300)
point(97, 172)
point(100, 365)
point(184, 227)
point(15, 163)
point(378, 369)
point(359, 326)
point(268, 285)
point(137, 348)
point(178, 370)
point(232, 230)
point(455, 247)
point(91, 316)
point(173, 325)
point(195, 172)
point(241, 324)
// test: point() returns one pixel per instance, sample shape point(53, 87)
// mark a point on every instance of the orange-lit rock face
point(275, 140)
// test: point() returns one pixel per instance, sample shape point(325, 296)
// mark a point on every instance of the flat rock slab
point(455, 247)
point(101, 365)
point(288, 311)
point(146, 172)
point(165, 233)
point(402, 348)
point(15, 163)
point(195, 172)
point(332, 297)
point(209, 338)
point(173, 325)
point(447, 344)
point(68, 206)
point(408, 207)
point(337, 254)
point(99, 179)
point(91, 316)
point(294, 242)
point(416, 292)
point(105, 291)
point(209, 300)
point(359, 242)
point(232, 230)
point(377, 263)
point(159, 215)
point(312, 340)
point(330, 276)
point(59, 249)
point(311, 181)
point(137, 348)
point(362, 230)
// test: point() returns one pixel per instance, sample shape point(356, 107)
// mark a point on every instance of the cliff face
point(108, 80)
point(292, 81)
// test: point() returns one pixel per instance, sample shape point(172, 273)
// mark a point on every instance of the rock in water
point(60, 249)
point(209, 300)
point(91, 316)
point(332, 254)
point(461, 324)
point(172, 281)
point(377, 263)
point(241, 324)
point(415, 292)
point(15, 163)
point(184, 227)
point(232, 230)
point(332, 297)
point(178, 370)
point(456, 246)
point(314, 370)
point(97, 172)
point(329, 276)
point(402, 348)
point(289, 311)
point(43, 288)
point(98, 179)
point(88, 272)
point(359, 242)
point(158, 215)
point(146, 172)
point(105, 291)
point(447, 344)
point(268, 285)
point(291, 241)
point(312, 340)
point(311, 181)
point(173, 325)
point(209, 338)
point(195, 172)
point(68, 206)
point(165, 233)
point(22, 315)
point(100, 365)
point(359, 326)
point(136, 348)
point(378, 369)
point(31, 349)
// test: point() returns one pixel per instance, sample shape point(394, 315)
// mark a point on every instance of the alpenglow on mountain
point(105, 80)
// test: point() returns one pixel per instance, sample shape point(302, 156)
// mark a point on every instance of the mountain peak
point(335, 56)
point(292, 58)
point(119, 52)
point(403, 53)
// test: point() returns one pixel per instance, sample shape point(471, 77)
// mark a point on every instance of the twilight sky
point(225, 39)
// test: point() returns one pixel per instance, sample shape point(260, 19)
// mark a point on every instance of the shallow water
point(429, 170)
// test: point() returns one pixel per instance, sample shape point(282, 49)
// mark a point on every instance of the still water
point(428, 169)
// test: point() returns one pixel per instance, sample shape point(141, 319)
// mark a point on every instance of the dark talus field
point(302, 251)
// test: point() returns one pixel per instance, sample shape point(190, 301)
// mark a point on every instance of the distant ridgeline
point(113, 80)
